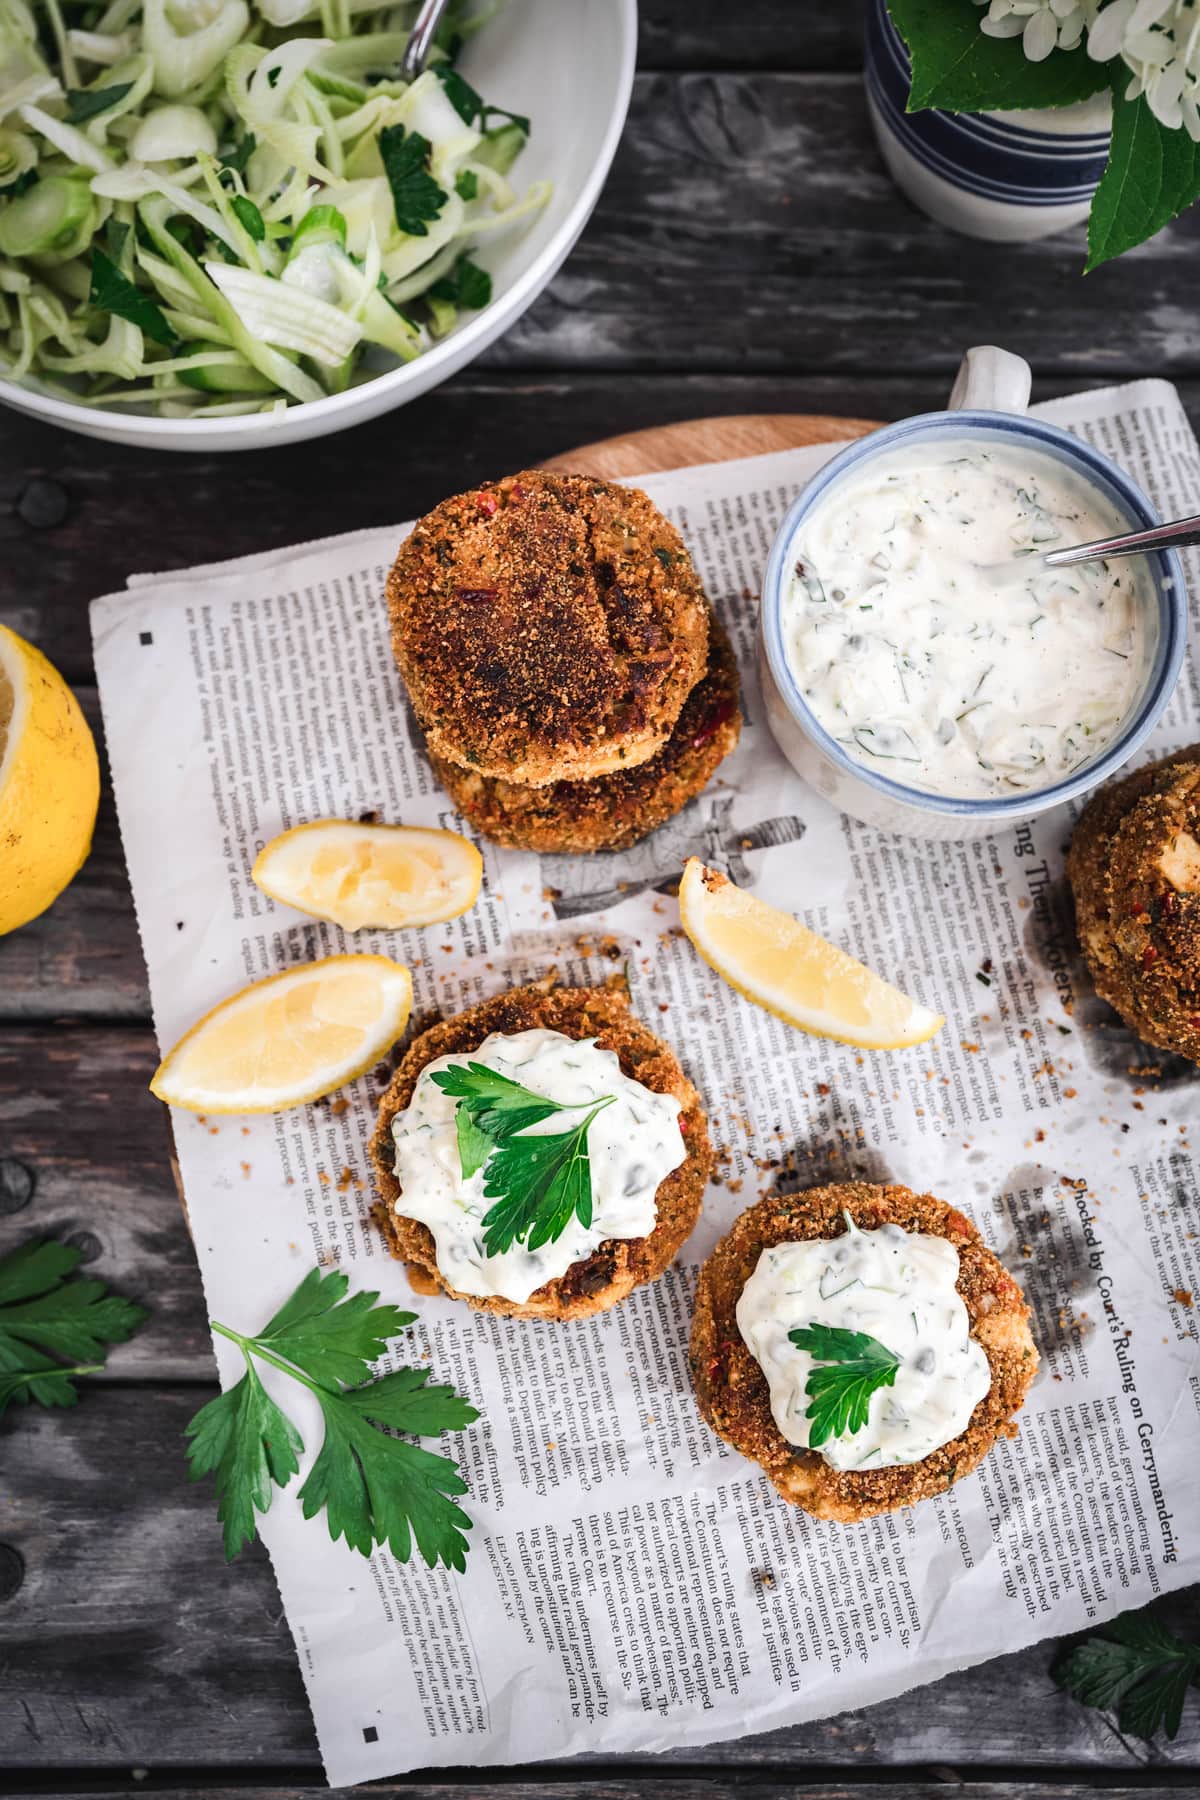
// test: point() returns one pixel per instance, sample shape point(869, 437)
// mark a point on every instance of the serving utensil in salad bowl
point(1178, 534)
point(420, 42)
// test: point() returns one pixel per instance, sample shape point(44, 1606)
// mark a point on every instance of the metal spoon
point(1180, 534)
point(420, 42)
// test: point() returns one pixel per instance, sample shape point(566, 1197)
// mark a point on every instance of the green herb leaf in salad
point(211, 149)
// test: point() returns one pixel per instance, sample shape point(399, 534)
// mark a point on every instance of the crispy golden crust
point(549, 627)
point(619, 1264)
point(733, 1392)
point(614, 811)
point(1134, 868)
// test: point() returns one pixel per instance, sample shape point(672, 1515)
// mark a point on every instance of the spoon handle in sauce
point(1180, 534)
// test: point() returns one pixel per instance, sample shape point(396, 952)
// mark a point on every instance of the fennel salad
point(209, 209)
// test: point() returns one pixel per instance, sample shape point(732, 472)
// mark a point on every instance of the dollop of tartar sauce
point(632, 1146)
point(899, 1287)
point(927, 664)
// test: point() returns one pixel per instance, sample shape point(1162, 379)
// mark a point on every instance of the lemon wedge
point(49, 783)
point(358, 876)
point(289, 1038)
point(774, 960)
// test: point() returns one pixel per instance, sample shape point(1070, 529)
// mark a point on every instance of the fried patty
point(734, 1394)
point(615, 1266)
point(1134, 868)
point(548, 627)
point(614, 811)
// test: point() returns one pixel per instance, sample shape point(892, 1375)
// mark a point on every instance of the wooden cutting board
point(705, 440)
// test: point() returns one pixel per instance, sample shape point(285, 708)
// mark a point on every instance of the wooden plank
point(131, 1642)
point(84, 1154)
point(744, 1785)
point(770, 34)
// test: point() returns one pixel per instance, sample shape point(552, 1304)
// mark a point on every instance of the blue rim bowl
point(1166, 569)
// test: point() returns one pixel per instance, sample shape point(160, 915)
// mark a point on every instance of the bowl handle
point(991, 380)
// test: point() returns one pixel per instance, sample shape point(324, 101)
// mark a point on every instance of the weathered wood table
point(749, 254)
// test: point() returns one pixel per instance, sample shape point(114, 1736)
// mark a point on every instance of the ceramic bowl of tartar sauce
point(921, 666)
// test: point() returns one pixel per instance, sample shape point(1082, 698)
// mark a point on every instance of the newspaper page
point(633, 1584)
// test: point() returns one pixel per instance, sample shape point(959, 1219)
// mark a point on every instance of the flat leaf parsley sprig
point(53, 1329)
point(1138, 1669)
point(840, 1396)
point(373, 1488)
point(537, 1184)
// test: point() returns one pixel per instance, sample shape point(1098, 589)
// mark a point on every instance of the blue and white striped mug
point(1005, 176)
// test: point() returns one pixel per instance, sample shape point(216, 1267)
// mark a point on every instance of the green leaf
point(466, 285)
point(1151, 176)
point(237, 158)
point(474, 1145)
point(466, 184)
point(47, 1383)
point(35, 1268)
point(21, 185)
point(247, 1443)
point(498, 1106)
point(538, 1185)
point(376, 1489)
point(840, 1396)
point(250, 217)
point(404, 1401)
point(467, 103)
point(330, 1337)
point(1139, 1669)
point(85, 103)
point(957, 68)
point(416, 196)
point(74, 1321)
point(111, 292)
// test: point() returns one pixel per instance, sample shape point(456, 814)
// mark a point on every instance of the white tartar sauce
point(632, 1146)
point(930, 667)
point(899, 1287)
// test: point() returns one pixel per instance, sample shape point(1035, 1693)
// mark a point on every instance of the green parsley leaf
point(955, 67)
point(377, 1489)
point(334, 1339)
point(1138, 1669)
point(474, 1145)
point(86, 103)
point(416, 196)
point(470, 105)
point(113, 293)
point(374, 1488)
point(466, 184)
point(538, 1184)
point(44, 1316)
point(250, 217)
point(840, 1396)
point(237, 158)
point(247, 1443)
point(1151, 176)
point(499, 1107)
point(466, 285)
point(467, 103)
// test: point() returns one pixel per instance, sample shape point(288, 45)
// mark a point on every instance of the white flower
point(1042, 25)
point(1158, 40)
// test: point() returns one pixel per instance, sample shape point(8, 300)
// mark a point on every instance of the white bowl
point(570, 68)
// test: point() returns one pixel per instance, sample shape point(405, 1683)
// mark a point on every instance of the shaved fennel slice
point(287, 316)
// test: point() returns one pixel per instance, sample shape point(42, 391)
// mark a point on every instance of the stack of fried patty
point(574, 687)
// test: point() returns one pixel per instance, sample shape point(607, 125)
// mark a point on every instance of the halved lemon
point(388, 876)
point(289, 1038)
point(774, 960)
point(49, 783)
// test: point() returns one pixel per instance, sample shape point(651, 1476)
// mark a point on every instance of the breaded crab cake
point(1134, 868)
point(613, 811)
point(615, 1266)
point(548, 627)
point(734, 1392)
